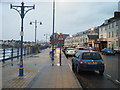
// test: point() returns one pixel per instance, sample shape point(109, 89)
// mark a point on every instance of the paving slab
point(39, 73)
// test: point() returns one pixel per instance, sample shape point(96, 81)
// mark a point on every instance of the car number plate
point(92, 62)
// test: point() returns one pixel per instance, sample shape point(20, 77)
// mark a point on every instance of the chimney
point(117, 14)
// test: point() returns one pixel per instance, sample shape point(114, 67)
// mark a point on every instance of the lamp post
point(22, 13)
point(46, 37)
point(53, 37)
point(35, 22)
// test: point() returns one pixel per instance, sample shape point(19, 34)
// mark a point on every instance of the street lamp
point(22, 13)
point(53, 30)
point(35, 22)
point(46, 37)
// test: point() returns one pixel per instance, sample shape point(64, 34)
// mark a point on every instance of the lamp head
point(30, 23)
point(40, 23)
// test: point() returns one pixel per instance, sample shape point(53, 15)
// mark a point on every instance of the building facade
point(106, 35)
point(83, 39)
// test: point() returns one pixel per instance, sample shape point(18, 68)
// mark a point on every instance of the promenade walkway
point(39, 73)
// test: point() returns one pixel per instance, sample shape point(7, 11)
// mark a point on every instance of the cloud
point(71, 17)
point(81, 16)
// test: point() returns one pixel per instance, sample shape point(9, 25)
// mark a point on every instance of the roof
point(92, 37)
point(82, 51)
point(113, 19)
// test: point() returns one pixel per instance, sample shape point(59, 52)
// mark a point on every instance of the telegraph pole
point(35, 28)
point(22, 13)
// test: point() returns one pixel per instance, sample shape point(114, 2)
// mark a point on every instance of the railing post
point(12, 54)
point(60, 56)
point(17, 53)
point(3, 56)
point(25, 51)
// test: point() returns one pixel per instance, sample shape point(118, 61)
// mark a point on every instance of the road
point(95, 80)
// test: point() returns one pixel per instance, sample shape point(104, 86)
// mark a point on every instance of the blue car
point(108, 51)
point(88, 61)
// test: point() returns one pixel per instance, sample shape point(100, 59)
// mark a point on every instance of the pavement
point(39, 73)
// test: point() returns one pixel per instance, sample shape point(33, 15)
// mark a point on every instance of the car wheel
point(73, 67)
point(77, 69)
point(66, 56)
point(101, 72)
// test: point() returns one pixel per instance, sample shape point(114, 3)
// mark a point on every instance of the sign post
point(60, 39)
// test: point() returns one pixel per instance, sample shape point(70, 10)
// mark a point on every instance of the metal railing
point(11, 53)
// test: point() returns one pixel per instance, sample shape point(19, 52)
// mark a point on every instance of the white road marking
point(117, 81)
point(70, 66)
point(108, 75)
point(74, 76)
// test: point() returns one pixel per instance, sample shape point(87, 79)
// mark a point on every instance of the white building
point(108, 33)
point(83, 39)
point(119, 6)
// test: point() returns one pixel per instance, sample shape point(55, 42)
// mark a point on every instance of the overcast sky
point(70, 18)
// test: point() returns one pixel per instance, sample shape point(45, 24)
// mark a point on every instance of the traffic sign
point(60, 37)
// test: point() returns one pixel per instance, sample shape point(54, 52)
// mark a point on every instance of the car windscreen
point(109, 49)
point(70, 49)
point(91, 56)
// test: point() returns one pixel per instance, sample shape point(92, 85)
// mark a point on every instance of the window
point(91, 56)
point(77, 54)
point(117, 33)
point(109, 45)
point(113, 25)
point(116, 43)
point(101, 36)
point(112, 33)
point(109, 26)
point(116, 23)
point(105, 27)
point(109, 35)
point(101, 29)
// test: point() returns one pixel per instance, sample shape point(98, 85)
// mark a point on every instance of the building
point(68, 41)
point(119, 6)
point(101, 42)
point(108, 34)
point(118, 35)
point(83, 39)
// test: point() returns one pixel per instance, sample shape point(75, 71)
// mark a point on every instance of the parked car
point(64, 49)
point(88, 61)
point(70, 51)
point(108, 51)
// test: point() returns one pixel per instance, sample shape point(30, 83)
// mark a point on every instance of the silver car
point(70, 51)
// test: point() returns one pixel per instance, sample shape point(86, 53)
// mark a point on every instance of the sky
point(71, 17)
